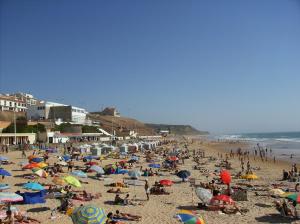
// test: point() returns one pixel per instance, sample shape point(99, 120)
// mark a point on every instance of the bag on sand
point(240, 195)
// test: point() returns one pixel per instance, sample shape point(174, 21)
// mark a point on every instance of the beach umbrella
point(2, 158)
point(31, 157)
point(40, 172)
point(31, 166)
point(37, 160)
point(4, 187)
point(166, 182)
point(285, 194)
point(88, 214)
point(250, 177)
point(66, 157)
point(42, 165)
point(33, 186)
point(3, 172)
point(189, 217)
point(62, 163)
point(10, 197)
point(294, 197)
point(91, 163)
point(134, 158)
point(97, 169)
point(154, 165)
point(58, 181)
point(72, 181)
point(134, 174)
point(121, 171)
point(173, 158)
point(183, 174)
point(223, 197)
point(225, 176)
point(88, 157)
point(203, 194)
point(79, 173)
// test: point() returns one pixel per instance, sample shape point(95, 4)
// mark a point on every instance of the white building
point(56, 111)
point(12, 103)
point(28, 98)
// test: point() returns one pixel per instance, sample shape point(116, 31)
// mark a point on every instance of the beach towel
point(33, 197)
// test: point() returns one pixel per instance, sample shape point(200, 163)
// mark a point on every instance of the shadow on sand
point(273, 218)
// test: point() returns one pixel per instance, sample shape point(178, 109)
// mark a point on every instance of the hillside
point(177, 129)
point(120, 124)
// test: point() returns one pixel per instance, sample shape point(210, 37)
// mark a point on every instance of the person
point(297, 187)
point(285, 175)
point(118, 199)
point(147, 189)
point(126, 200)
point(126, 216)
point(70, 165)
point(109, 219)
point(25, 219)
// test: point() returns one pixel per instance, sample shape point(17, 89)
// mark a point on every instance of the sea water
point(284, 145)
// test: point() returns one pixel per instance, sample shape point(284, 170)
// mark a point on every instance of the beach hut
point(124, 148)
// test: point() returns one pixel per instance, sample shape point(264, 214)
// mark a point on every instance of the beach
point(162, 208)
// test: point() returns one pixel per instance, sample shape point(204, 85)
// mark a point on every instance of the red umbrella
point(224, 198)
point(31, 166)
point(91, 163)
point(225, 176)
point(173, 158)
point(122, 161)
point(166, 182)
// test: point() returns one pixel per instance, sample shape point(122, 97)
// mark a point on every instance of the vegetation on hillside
point(23, 127)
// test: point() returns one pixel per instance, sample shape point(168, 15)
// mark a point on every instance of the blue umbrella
point(88, 157)
point(154, 165)
point(134, 158)
point(134, 173)
point(121, 171)
point(33, 186)
point(37, 160)
point(97, 169)
point(183, 174)
point(3, 158)
point(3, 172)
point(66, 157)
point(4, 186)
point(79, 173)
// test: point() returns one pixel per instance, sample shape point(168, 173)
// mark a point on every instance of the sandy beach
point(161, 209)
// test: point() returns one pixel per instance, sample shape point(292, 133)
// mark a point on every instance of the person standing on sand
point(147, 189)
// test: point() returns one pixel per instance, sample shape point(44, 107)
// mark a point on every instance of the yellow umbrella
point(42, 165)
point(250, 177)
point(284, 195)
point(72, 181)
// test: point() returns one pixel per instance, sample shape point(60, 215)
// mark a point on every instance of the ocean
point(283, 144)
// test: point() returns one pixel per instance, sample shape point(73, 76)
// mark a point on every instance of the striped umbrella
point(189, 217)
point(31, 166)
point(88, 214)
point(10, 197)
point(40, 173)
point(42, 165)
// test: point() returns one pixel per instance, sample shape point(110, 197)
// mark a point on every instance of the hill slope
point(177, 129)
point(120, 124)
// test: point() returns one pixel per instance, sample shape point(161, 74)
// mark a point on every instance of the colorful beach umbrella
point(58, 181)
point(166, 182)
point(88, 214)
point(79, 173)
point(42, 165)
point(72, 181)
point(40, 173)
point(188, 217)
point(4, 187)
point(294, 197)
point(225, 176)
point(3, 172)
point(33, 186)
point(97, 169)
point(37, 160)
point(134, 174)
point(203, 194)
point(31, 166)
point(154, 165)
point(10, 197)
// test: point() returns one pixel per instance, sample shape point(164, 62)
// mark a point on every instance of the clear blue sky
point(222, 66)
